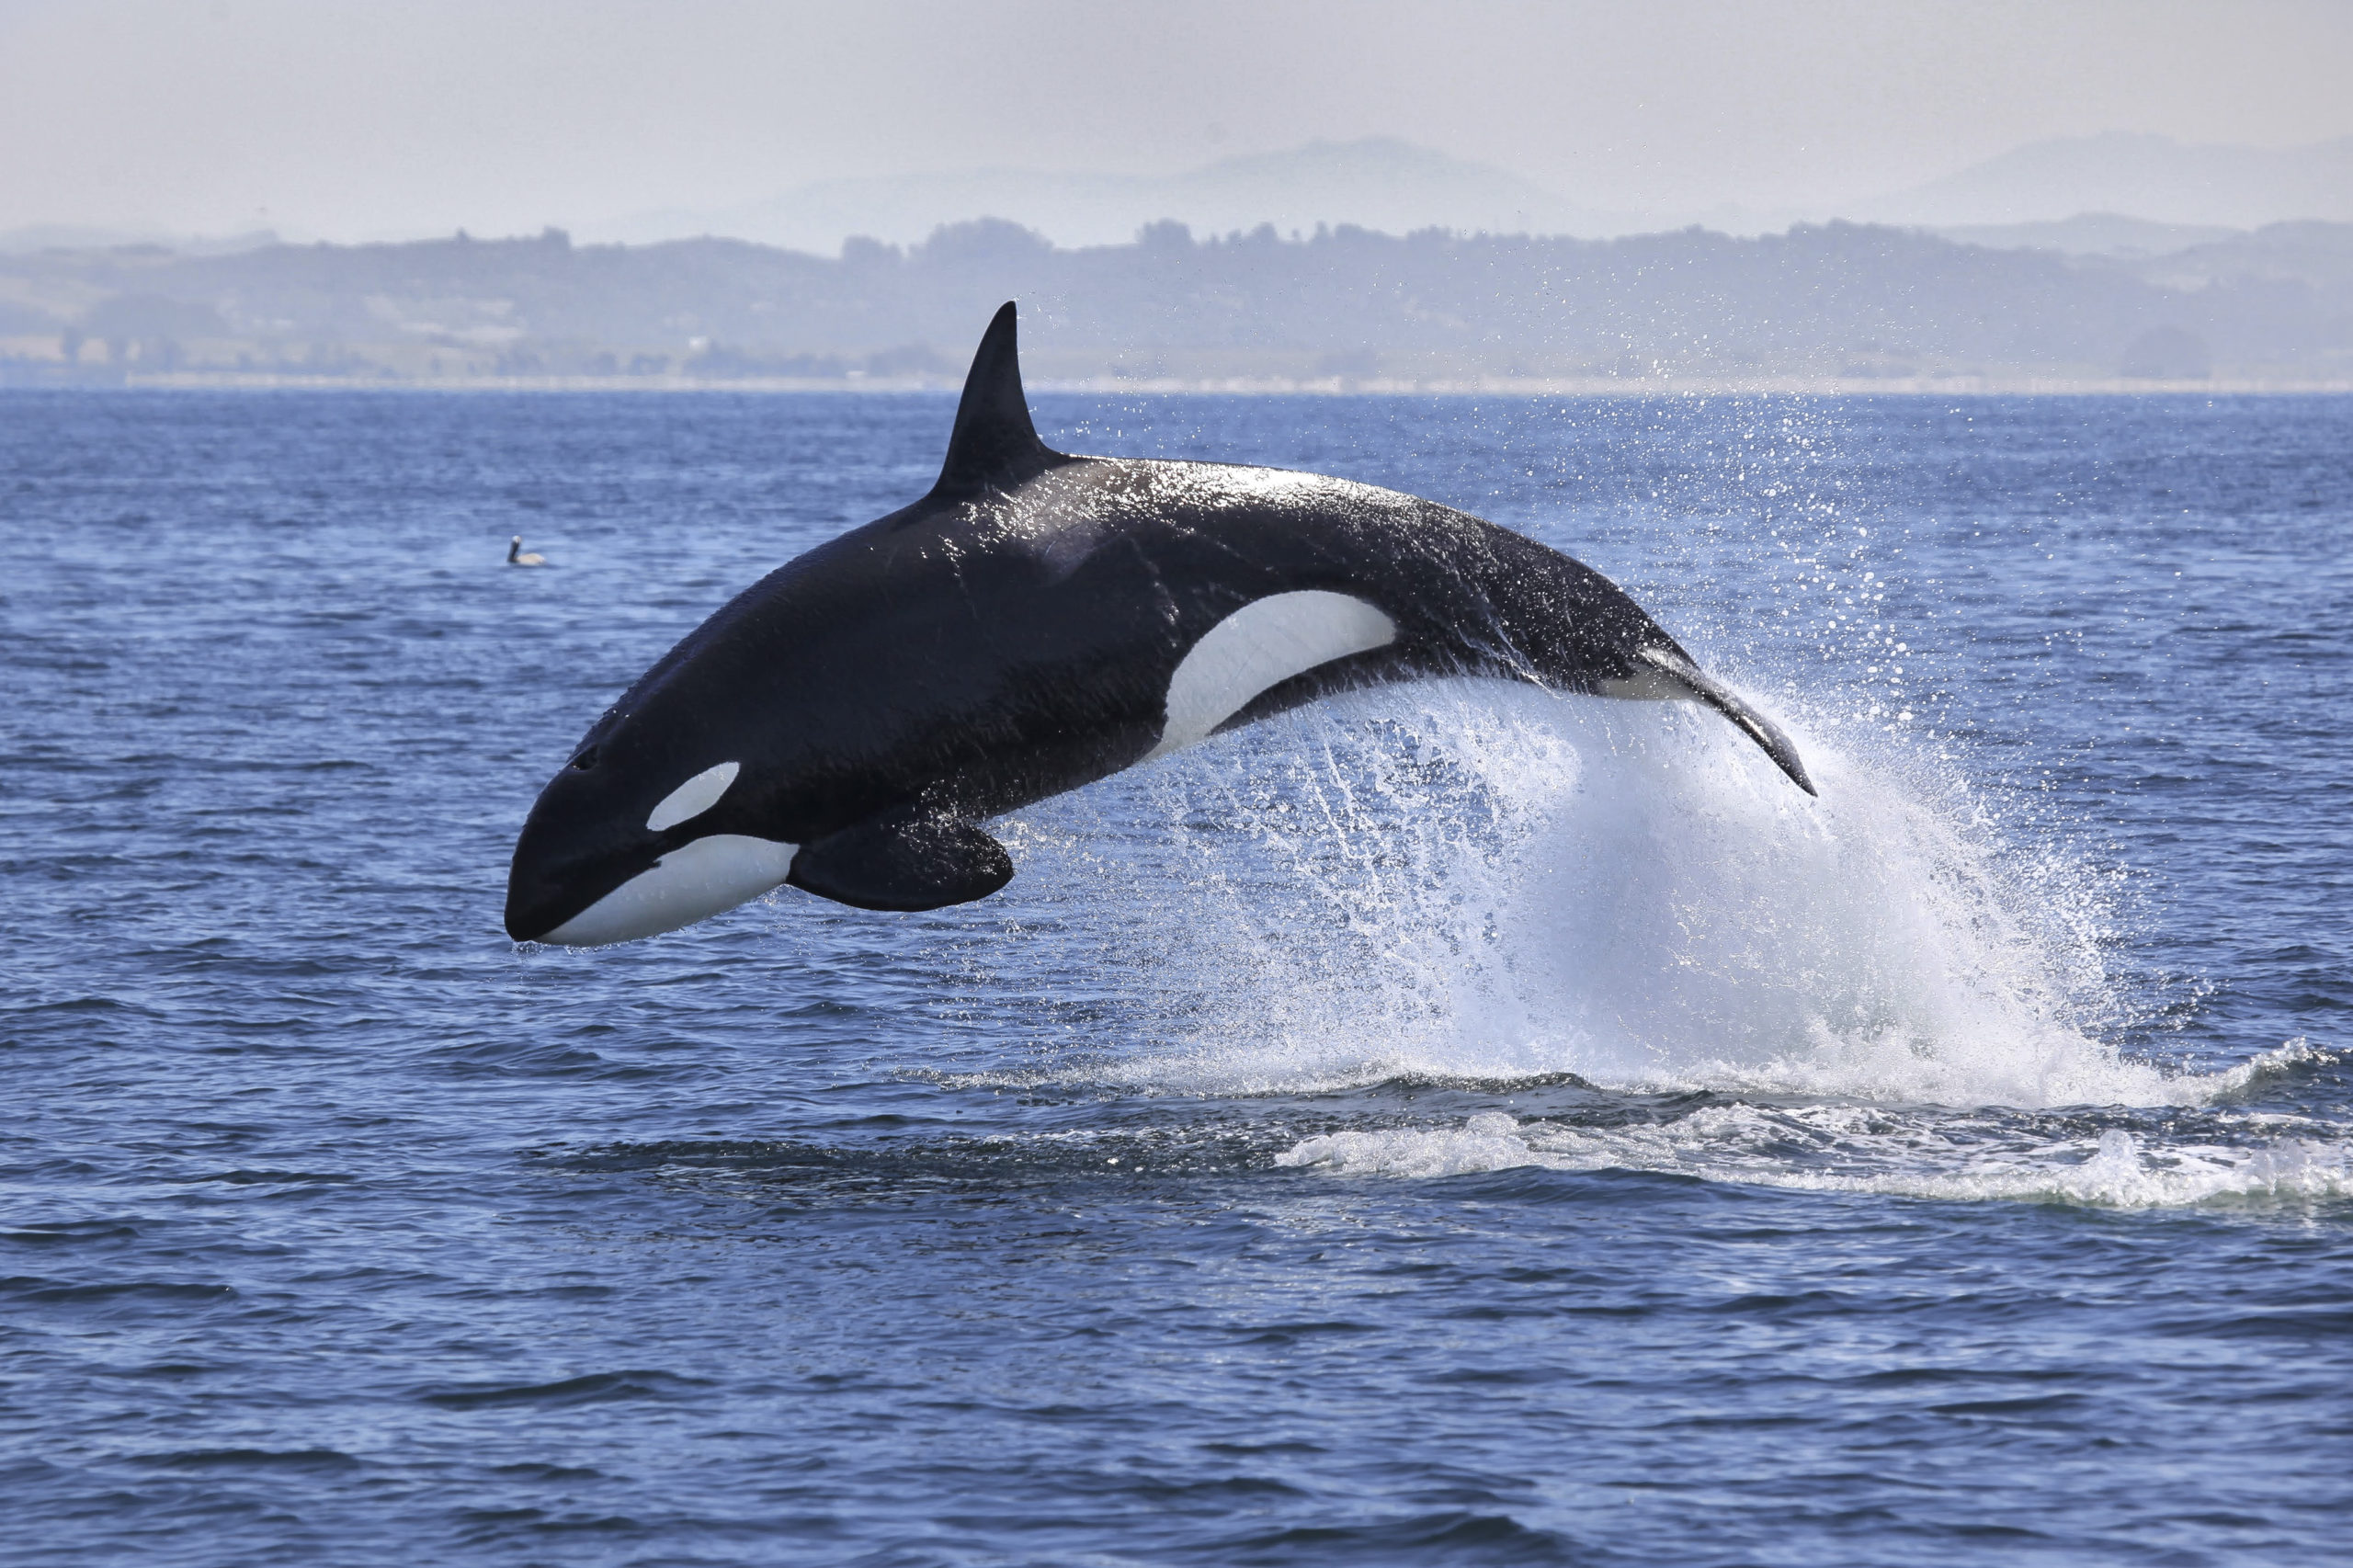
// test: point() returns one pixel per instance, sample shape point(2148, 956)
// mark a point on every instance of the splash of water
point(1476, 883)
point(1469, 879)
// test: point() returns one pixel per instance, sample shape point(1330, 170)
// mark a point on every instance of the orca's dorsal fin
point(994, 445)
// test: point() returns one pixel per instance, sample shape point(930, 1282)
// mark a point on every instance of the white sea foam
point(1478, 882)
point(1471, 880)
point(1850, 1149)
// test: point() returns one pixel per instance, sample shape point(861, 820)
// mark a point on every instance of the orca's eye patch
point(693, 798)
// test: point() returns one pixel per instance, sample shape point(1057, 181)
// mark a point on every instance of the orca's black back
point(980, 652)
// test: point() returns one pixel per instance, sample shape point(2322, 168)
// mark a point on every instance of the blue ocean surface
point(1453, 1124)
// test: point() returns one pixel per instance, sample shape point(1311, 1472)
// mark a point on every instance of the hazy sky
point(345, 121)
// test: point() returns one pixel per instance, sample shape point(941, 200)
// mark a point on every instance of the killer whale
point(1035, 622)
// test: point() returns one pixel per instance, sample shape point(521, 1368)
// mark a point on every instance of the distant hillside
point(1380, 182)
point(63, 237)
point(1837, 301)
point(2123, 196)
point(2152, 178)
point(2317, 256)
point(2093, 234)
point(2063, 195)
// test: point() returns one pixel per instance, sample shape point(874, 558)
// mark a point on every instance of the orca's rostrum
point(1035, 622)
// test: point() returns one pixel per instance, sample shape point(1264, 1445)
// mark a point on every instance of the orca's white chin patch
point(687, 884)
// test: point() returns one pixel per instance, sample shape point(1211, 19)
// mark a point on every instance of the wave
point(1474, 881)
point(1855, 1149)
point(1622, 922)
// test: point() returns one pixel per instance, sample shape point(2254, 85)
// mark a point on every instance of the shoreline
point(1239, 386)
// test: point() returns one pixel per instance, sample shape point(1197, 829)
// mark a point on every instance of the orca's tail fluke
point(1690, 681)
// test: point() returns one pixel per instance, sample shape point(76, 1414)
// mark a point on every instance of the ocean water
point(1453, 1124)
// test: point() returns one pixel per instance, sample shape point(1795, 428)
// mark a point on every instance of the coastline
point(1239, 386)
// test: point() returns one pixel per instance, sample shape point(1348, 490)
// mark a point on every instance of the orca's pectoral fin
point(1691, 679)
point(906, 859)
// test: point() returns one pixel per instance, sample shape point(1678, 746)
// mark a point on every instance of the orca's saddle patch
point(906, 859)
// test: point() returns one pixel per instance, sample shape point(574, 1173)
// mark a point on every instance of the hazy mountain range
point(1345, 305)
point(2152, 178)
point(2032, 196)
point(1366, 262)
point(1380, 184)
point(1394, 187)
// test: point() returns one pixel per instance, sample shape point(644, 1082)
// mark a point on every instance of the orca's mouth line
point(701, 878)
